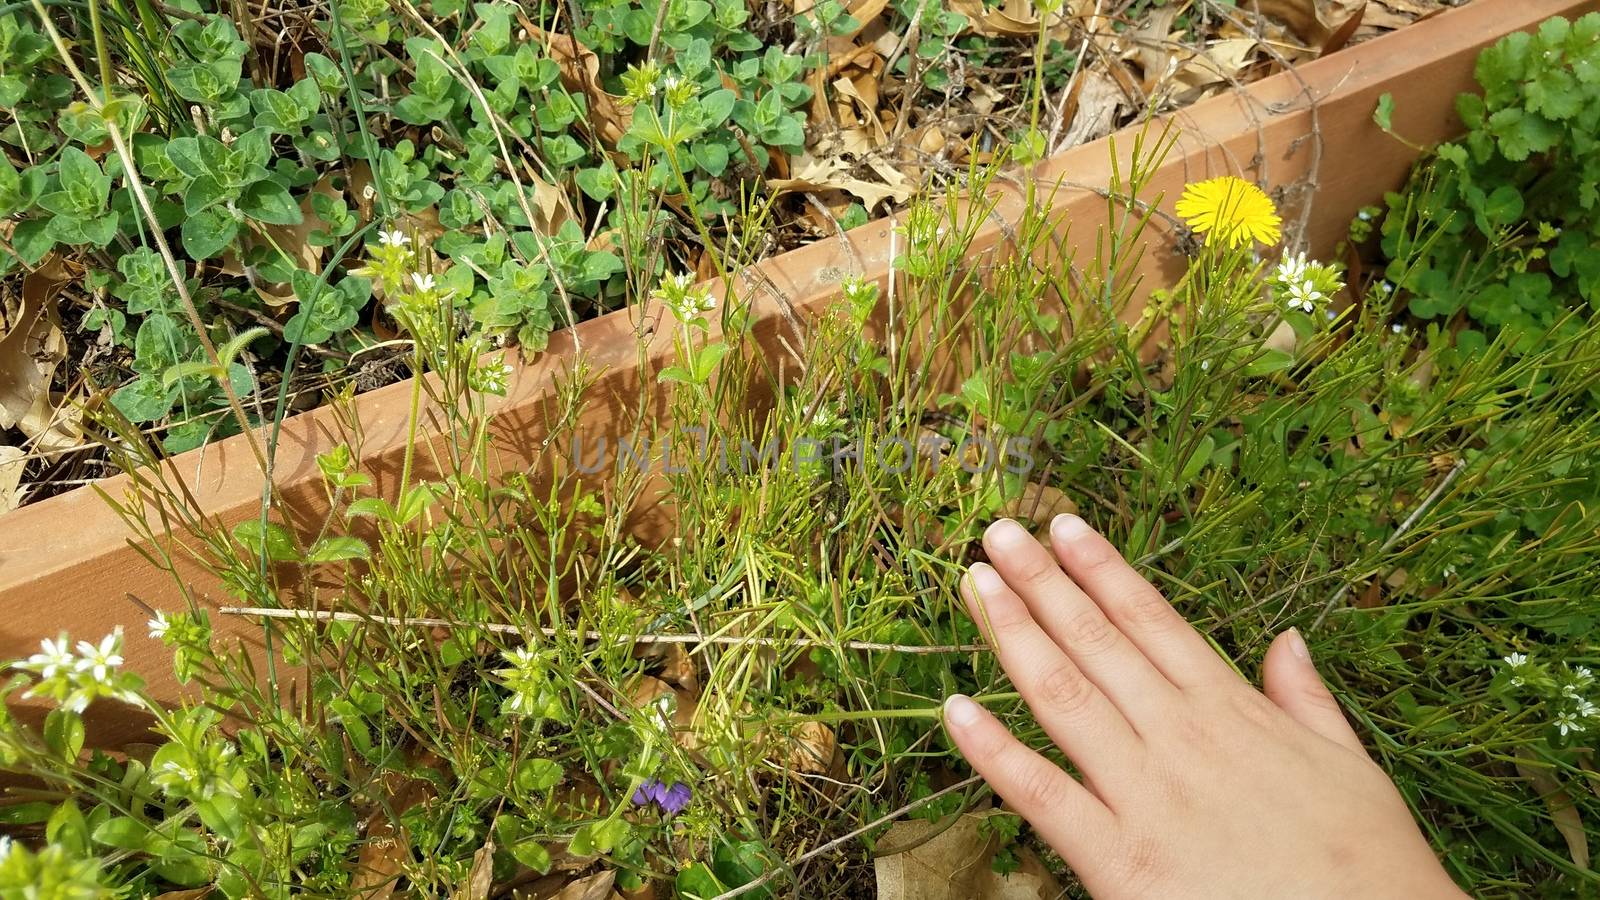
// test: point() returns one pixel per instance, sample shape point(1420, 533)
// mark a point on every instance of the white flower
point(1385, 287)
point(1587, 709)
point(396, 238)
point(1292, 268)
point(1364, 216)
point(1582, 675)
point(101, 660)
point(522, 658)
point(1516, 681)
point(5, 847)
point(1567, 723)
point(423, 283)
point(159, 625)
point(1205, 365)
point(54, 656)
point(670, 82)
point(1397, 328)
point(1516, 660)
point(1304, 296)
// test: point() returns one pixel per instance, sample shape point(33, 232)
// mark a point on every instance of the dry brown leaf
point(12, 462)
point(388, 848)
point(677, 666)
point(1098, 103)
point(675, 707)
point(953, 864)
point(599, 886)
point(480, 877)
point(1012, 18)
point(54, 425)
point(1039, 503)
point(1307, 19)
point(813, 174)
point(1563, 811)
point(31, 350)
point(811, 749)
point(1219, 63)
point(865, 12)
point(1152, 46)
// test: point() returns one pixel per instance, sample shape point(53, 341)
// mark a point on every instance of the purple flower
point(675, 798)
point(670, 800)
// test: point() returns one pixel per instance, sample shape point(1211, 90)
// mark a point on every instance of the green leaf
point(125, 833)
point(208, 233)
point(538, 774)
point(598, 837)
point(531, 854)
point(32, 240)
point(1384, 113)
point(145, 400)
point(270, 202)
point(279, 543)
point(372, 507)
point(1268, 362)
point(338, 548)
point(63, 734)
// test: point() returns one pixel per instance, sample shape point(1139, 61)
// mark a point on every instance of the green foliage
point(1511, 211)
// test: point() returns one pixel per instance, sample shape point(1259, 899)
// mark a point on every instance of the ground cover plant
point(502, 690)
point(556, 158)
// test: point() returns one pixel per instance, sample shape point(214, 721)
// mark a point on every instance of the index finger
point(1134, 605)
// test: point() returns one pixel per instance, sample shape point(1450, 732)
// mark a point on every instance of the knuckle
point(1148, 609)
point(1036, 568)
point(1316, 696)
point(1140, 861)
point(1063, 688)
point(1254, 708)
point(1039, 787)
point(1089, 631)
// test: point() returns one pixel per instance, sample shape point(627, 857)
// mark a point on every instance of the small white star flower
point(1397, 328)
point(396, 238)
point(1516, 660)
point(1567, 723)
point(423, 283)
point(101, 660)
point(1582, 675)
point(159, 625)
point(53, 657)
point(1586, 708)
point(1292, 269)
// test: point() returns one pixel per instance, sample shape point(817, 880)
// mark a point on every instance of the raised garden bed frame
point(1307, 135)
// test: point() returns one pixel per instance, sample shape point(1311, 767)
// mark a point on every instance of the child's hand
point(1194, 783)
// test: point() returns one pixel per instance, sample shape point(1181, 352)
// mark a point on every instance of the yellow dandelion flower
point(1230, 211)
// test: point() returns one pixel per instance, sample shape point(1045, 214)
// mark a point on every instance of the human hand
point(1194, 783)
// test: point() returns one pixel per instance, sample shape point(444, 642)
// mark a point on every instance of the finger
point(1074, 713)
point(1292, 682)
point(1066, 815)
point(1135, 606)
point(1076, 624)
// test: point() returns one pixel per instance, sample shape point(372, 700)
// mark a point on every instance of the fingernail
point(1297, 645)
point(984, 579)
point(1068, 527)
point(1006, 533)
point(960, 710)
